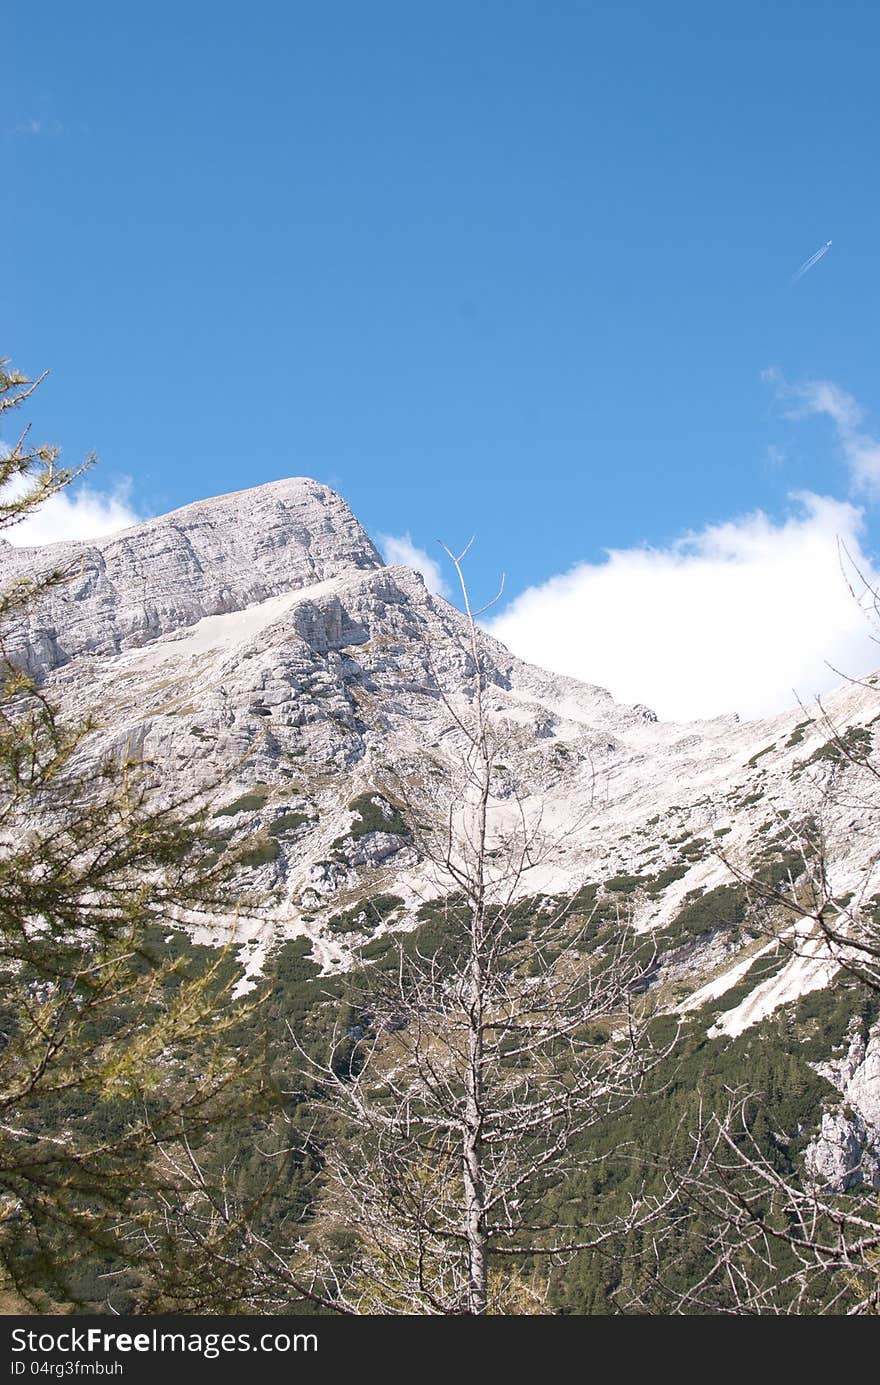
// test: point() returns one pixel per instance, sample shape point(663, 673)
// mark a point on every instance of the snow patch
point(810, 969)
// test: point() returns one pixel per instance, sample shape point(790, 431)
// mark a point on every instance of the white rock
point(846, 1151)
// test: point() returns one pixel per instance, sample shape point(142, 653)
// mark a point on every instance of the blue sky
point(513, 268)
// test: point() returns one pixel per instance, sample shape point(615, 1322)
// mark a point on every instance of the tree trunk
point(474, 1191)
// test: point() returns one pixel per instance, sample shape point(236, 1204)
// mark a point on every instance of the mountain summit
point(208, 558)
point(256, 642)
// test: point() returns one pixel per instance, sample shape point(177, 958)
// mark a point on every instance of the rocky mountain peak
point(208, 558)
point(253, 650)
point(256, 642)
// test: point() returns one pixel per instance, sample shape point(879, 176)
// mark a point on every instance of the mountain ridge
point(208, 557)
point(258, 643)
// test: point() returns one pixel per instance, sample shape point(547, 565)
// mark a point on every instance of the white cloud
point(861, 451)
point(401, 549)
point(78, 512)
point(742, 617)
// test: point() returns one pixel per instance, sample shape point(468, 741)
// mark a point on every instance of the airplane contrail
point(813, 260)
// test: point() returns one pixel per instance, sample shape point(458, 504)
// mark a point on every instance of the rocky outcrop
point(209, 558)
point(846, 1152)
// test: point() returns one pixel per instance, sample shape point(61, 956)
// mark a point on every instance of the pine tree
point(114, 1043)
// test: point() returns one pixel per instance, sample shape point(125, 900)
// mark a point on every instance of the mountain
point(256, 648)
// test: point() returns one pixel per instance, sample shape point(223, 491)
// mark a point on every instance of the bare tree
point(478, 1068)
point(780, 1243)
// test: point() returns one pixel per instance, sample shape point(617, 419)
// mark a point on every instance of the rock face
point(206, 559)
point(846, 1152)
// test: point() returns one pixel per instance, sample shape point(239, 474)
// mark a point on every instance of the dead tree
point(487, 1062)
point(465, 1089)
